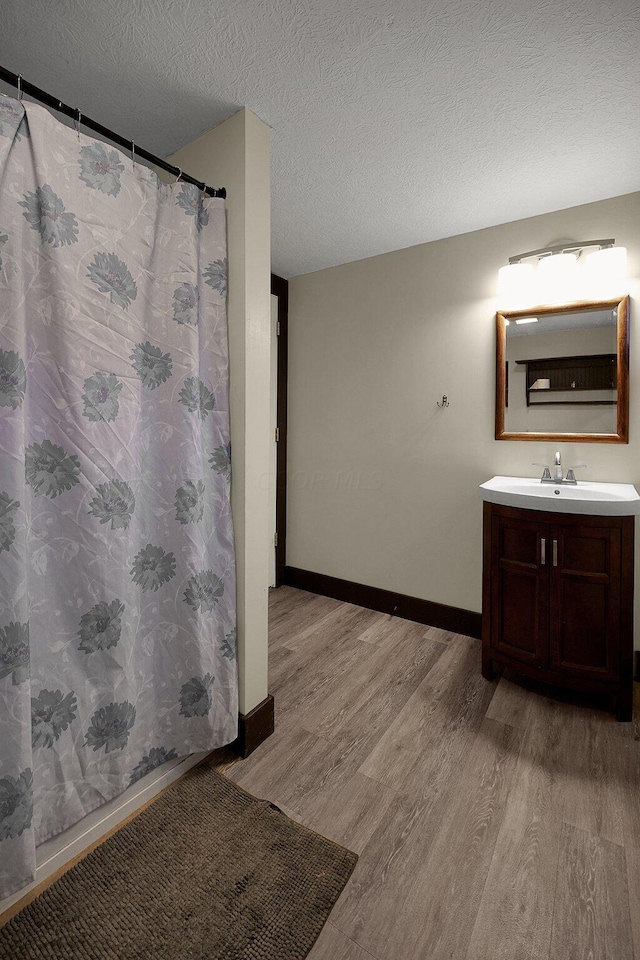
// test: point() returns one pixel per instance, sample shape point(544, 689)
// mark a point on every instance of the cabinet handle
point(543, 551)
point(555, 553)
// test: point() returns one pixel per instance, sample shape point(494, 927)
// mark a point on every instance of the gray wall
point(236, 154)
point(383, 484)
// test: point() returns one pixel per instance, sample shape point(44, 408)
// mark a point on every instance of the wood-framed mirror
point(562, 372)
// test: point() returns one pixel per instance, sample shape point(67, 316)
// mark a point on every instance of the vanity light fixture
point(557, 274)
point(527, 320)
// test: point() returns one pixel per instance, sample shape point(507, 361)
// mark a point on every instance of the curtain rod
point(23, 86)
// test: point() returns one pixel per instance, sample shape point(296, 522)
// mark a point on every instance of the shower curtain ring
point(19, 86)
point(77, 123)
point(133, 153)
point(179, 177)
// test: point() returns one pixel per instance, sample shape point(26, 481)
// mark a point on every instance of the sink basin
point(596, 499)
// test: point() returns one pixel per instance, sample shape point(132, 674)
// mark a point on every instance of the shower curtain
point(117, 575)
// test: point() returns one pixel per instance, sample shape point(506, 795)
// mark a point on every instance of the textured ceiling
point(393, 122)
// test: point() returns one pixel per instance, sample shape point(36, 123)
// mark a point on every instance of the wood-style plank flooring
point(492, 823)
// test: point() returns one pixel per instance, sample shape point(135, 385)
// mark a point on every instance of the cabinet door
point(520, 589)
point(585, 600)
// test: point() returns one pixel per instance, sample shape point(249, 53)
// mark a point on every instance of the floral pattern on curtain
point(117, 572)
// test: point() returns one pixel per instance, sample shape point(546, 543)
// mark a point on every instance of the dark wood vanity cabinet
point(558, 600)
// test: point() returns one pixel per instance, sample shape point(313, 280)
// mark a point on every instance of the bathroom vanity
point(558, 584)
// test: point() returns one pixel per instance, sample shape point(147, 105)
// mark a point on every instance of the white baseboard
point(64, 848)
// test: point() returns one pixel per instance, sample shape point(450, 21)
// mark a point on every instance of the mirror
point(562, 373)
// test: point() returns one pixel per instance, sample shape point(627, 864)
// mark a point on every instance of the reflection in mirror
point(562, 373)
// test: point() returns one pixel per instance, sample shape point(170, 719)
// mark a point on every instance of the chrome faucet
point(557, 470)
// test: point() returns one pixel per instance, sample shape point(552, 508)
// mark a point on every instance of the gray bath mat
point(207, 872)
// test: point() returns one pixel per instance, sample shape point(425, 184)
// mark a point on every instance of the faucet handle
point(546, 473)
point(571, 477)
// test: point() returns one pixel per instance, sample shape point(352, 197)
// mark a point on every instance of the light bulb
point(558, 278)
point(515, 286)
point(605, 272)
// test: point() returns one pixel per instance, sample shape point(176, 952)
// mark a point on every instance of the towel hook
point(444, 403)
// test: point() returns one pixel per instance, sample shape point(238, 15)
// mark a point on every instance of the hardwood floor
point(492, 823)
